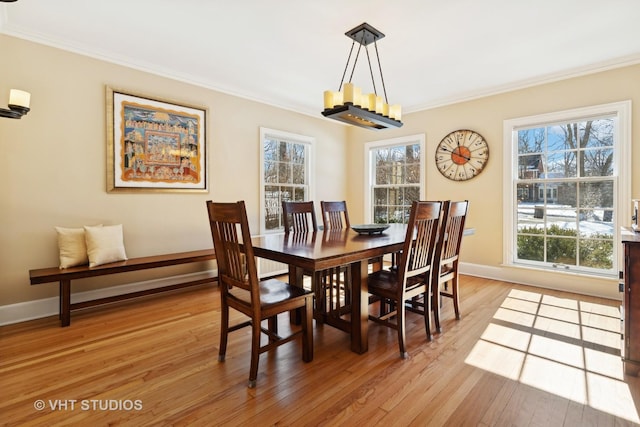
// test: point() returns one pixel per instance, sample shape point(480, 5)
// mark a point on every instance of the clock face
point(461, 155)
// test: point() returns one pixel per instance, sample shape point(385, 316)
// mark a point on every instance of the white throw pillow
point(104, 244)
point(72, 247)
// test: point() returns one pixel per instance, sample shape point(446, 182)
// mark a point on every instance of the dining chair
point(412, 277)
point(335, 215)
point(241, 290)
point(445, 275)
point(299, 217)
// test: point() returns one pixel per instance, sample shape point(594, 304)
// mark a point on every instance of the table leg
point(359, 307)
point(295, 279)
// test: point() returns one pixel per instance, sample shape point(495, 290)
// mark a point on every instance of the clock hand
point(457, 154)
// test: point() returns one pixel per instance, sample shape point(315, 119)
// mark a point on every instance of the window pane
point(531, 166)
point(380, 215)
point(298, 174)
point(272, 207)
point(596, 253)
point(596, 222)
point(413, 153)
point(561, 164)
point(596, 194)
point(395, 196)
point(597, 162)
point(270, 150)
point(531, 248)
point(299, 194)
point(411, 194)
point(561, 251)
point(598, 133)
point(284, 173)
point(562, 137)
point(383, 175)
point(413, 173)
point(400, 214)
point(380, 196)
point(531, 140)
point(297, 153)
point(270, 172)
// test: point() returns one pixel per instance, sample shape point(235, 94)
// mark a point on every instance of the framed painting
point(155, 145)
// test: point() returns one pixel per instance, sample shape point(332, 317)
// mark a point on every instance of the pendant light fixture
point(18, 104)
point(349, 104)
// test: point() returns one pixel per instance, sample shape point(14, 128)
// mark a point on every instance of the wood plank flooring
point(520, 356)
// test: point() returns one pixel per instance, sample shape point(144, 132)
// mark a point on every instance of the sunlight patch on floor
point(562, 346)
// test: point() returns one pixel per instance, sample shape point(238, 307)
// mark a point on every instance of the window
point(285, 174)
point(569, 188)
point(394, 178)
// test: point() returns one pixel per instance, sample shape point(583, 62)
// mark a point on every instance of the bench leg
point(65, 302)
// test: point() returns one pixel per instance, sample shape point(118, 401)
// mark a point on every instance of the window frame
point(621, 177)
point(369, 170)
point(309, 143)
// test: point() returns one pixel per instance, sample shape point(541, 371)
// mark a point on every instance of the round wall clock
point(462, 154)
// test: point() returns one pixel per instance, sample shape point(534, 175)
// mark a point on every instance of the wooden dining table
point(325, 249)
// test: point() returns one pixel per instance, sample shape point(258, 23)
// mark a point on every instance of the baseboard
point(29, 310)
point(599, 287)
point(602, 287)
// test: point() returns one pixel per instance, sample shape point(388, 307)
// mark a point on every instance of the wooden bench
point(65, 276)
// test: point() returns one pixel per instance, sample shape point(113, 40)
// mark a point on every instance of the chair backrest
point(420, 242)
point(232, 245)
point(299, 217)
point(450, 238)
point(335, 215)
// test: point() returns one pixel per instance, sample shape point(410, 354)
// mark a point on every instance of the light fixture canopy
point(18, 104)
point(349, 104)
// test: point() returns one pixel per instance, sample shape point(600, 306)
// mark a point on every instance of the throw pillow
point(104, 244)
point(72, 246)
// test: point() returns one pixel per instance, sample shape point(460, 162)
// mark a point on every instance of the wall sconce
point(18, 104)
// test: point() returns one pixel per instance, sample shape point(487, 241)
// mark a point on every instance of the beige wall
point(486, 116)
point(54, 160)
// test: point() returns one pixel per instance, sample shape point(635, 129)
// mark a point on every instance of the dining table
point(326, 249)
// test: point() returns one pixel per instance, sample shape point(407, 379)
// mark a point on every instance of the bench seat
point(66, 275)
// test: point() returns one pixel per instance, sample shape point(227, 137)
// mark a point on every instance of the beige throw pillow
point(104, 244)
point(72, 247)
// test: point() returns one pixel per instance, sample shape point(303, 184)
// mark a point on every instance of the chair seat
point(272, 291)
point(384, 283)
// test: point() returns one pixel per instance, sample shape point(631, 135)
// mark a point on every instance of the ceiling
point(287, 52)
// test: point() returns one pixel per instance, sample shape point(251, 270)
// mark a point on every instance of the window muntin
point(286, 174)
point(565, 189)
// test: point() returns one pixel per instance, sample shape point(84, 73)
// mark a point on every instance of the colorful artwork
point(155, 145)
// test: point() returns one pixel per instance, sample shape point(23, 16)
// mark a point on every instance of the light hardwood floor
point(519, 356)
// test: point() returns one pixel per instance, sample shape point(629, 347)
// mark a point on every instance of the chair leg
point(255, 352)
point(307, 331)
point(400, 319)
point(435, 305)
point(224, 332)
point(427, 312)
point(456, 298)
point(272, 323)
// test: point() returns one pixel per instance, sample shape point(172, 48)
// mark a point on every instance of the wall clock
point(462, 154)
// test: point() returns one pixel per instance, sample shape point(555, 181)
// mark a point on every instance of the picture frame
point(155, 145)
